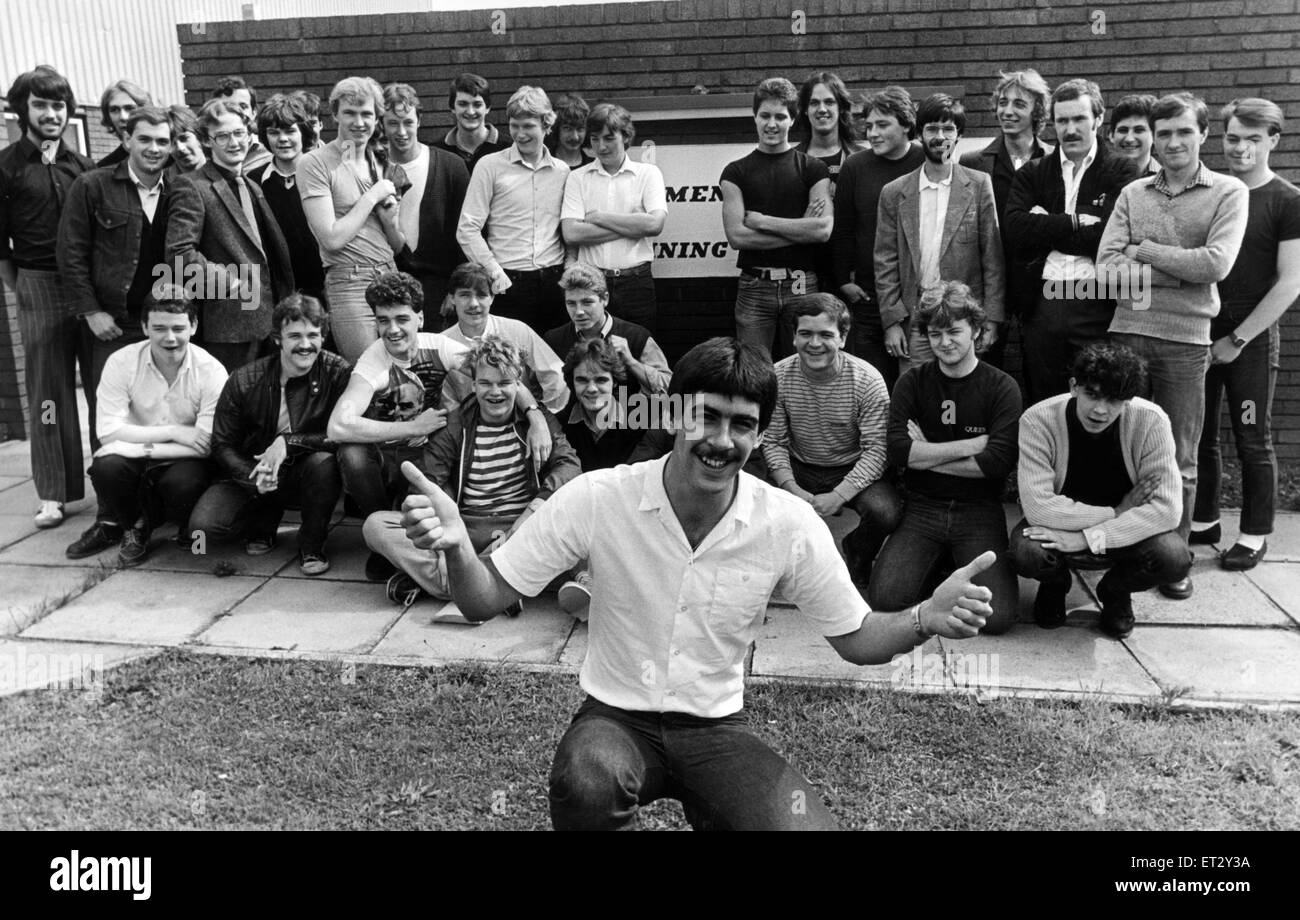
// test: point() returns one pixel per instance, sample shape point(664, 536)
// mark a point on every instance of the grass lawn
point(196, 741)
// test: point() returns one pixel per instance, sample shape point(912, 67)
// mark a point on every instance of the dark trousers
point(632, 297)
point(1159, 560)
point(1250, 382)
point(49, 335)
point(372, 474)
point(1053, 334)
point(867, 339)
point(309, 482)
point(612, 761)
point(936, 533)
point(534, 298)
point(233, 355)
point(137, 490)
point(879, 506)
point(435, 292)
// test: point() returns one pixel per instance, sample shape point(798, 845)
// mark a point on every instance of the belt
point(773, 274)
point(547, 272)
point(642, 269)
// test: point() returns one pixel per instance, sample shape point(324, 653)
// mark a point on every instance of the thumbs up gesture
point(958, 607)
point(430, 517)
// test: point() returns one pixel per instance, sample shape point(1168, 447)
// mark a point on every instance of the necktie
point(246, 202)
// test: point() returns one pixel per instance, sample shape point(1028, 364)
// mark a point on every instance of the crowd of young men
point(497, 411)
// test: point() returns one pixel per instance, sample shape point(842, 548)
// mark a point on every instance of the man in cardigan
point(1100, 489)
point(434, 181)
point(1183, 229)
point(1057, 209)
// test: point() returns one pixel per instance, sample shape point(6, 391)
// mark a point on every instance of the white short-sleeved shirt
point(132, 391)
point(637, 188)
point(669, 626)
point(431, 379)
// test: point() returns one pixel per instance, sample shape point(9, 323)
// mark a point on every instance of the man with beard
point(435, 182)
point(937, 223)
point(36, 175)
point(686, 551)
point(1058, 209)
point(268, 437)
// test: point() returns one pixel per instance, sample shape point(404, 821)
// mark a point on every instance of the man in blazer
point(1058, 208)
point(937, 223)
point(223, 243)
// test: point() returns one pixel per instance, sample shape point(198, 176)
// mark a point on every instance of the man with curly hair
point(1100, 487)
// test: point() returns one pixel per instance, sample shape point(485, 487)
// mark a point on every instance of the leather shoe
point(135, 546)
point(97, 538)
point(1240, 558)
point(1205, 537)
point(1049, 605)
point(1179, 590)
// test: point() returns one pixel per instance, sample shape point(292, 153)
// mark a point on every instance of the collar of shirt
point(628, 165)
point(32, 152)
point(187, 363)
point(1161, 182)
point(654, 497)
point(141, 187)
point(926, 183)
point(547, 161)
point(1087, 161)
point(289, 178)
point(607, 326)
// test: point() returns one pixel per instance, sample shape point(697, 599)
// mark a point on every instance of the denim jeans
point(612, 761)
point(1053, 333)
point(352, 322)
point(1250, 382)
point(632, 299)
point(867, 339)
point(1177, 373)
point(765, 309)
point(934, 533)
point(534, 298)
point(878, 506)
point(1158, 560)
point(136, 489)
point(372, 474)
point(309, 482)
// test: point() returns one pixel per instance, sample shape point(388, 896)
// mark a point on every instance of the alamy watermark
point(24, 670)
point(239, 281)
point(1130, 281)
point(979, 672)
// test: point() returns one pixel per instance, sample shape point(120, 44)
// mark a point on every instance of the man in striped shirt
point(481, 459)
point(826, 443)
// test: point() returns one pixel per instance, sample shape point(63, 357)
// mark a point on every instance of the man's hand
point(103, 325)
point(915, 433)
point(816, 208)
point(429, 516)
point(1141, 493)
point(1223, 351)
point(429, 421)
point(1065, 541)
point(754, 220)
point(896, 341)
point(189, 436)
point(269, 460)
point(500, 281)
point(959, 607)
point(1038, 209)
point(380, 192)
point(990, 335)
point(623, 350)
point(852, 293)
point(539, 440)
point(798, 491)
point(1087, 220)
point(827, 504)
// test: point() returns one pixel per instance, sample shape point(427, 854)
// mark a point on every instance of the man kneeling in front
point(687, 549)
point(1100, 486)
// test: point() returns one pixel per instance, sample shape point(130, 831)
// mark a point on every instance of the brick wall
point(1219, 50)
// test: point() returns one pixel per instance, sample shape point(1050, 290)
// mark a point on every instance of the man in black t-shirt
point(775, 209)
point(952, 427)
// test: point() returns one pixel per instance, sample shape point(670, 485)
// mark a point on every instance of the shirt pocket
point(739, 601)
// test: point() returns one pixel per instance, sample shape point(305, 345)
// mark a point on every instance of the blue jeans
point(372, 474)
point(612, 761)
point(765, 309)
point(934, 534)
point(1158, 560)
point(352, 322)
point(867, 339)
point(1250, 382)
point(878, 506)
point(1177, 373)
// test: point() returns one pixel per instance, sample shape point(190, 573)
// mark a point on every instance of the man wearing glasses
point(222, 236)
point(937, 223)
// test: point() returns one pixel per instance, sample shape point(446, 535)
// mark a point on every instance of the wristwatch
point(1237, 341)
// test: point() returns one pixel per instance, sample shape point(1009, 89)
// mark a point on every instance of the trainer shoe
point(259, 546)
point(575, 596)
point(134, 547)
point(404, 590)
point(97, 538)
point(313, 564)
point(49, 514)
point(514, 609)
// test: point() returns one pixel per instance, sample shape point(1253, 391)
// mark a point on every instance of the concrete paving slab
point(64, 667)
point(1074, 659)
point(144, 608)
point(536, 636)
point(28, 589)
point(15, 527)
point(1220, 599)
point(1281, 582)
point(46, 547)
point(575, 650)
point(16, 459)
point(1220, 663)
point(1283, 543)
point(8, 482)
point(166, 556)
point(291, 614)
point(789, 645)
point(347, 554)
point(1078, 599)
point(21, 500)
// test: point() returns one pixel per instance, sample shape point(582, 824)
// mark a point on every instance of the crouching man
point(481, 459)
point(687, 549)
point(1100, 486)
point(268, 437)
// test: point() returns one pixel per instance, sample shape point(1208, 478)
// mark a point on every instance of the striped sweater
point(1148, 445)
point(837, 422)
